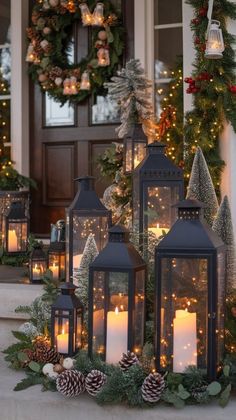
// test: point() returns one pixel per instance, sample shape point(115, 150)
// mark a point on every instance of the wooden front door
point(65, 142)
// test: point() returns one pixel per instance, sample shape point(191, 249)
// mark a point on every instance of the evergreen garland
point(212, 85)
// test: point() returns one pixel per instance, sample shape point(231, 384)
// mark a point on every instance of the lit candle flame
point(116, 311)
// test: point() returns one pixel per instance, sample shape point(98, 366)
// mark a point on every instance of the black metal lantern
point(157, 185)
point(190, 294)
point(6, 199)
point(134, 148)
point(37, 264)
point(16, 229)
point(67, 321)
point(116, 298)
point(57, 260)
point(86, 215)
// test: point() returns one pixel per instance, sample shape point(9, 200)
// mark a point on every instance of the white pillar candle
point(55, 270)
point(12, 241)
point(185, 340)
point(36, 272)
point(158, 230)
point(63, 343)
point(117, 335)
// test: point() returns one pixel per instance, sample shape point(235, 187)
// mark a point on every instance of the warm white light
point(98, 17)
point(85, 82)
point(214, 42)
point(86, 16)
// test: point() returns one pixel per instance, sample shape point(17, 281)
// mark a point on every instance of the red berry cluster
point(192, 85)
point(232, 88)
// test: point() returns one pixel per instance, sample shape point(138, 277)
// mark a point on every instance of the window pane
point(168, 46)
point(57, 115)
point(168, 11)
point(104, 110)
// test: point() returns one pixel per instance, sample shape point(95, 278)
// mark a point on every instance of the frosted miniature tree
point(201, 187)
point(81, 275)
point(223, 226)
point(132, 91)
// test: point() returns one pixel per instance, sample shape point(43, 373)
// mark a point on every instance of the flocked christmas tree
point(201, 187)
point(223, 226)
point(81, 274)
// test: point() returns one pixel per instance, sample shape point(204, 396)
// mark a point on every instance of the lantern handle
point(209, 16)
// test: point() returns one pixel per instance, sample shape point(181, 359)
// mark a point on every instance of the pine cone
point(153, 387)
point(200, 394)
point(42, 351)
point(128, 359)
point(94, 382)
point(70, 383)
point(31, 33)
point(55, 72)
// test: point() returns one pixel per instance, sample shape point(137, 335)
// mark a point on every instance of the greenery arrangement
point(50, 39)
point(212, 85)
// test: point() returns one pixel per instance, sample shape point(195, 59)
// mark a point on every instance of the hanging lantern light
point(190, 294)
point(66, 87)
point(98, 17)
point(73, 86)
point(57, 260)
point(67, 321)
point(86, 16)
point(116, 298)
point(31, 55)
point(103, 57)
point(37, 264)
point(16, 229)
point(85, 82)
point(86, 215)
point(214, 41)
point(157, 185)
point(134, 148)
point(6, 200)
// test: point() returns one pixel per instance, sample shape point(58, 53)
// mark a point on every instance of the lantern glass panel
point(184, 313)
point(82, 228)
point(160, 214)
point(61, 331)
point(139, 311)
point(17, 236)
point(56, 263)
point(220, 306)
point(78, 343)
point(98, 312)
point(38, 268)
point(135, 153)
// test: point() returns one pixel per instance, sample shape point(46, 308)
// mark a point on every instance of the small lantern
point(86, 215)
point(98, 17)
point(85, 82)
point(157, 185)
point(6, 200)
point(37, 264)
point(73, 86)
point(190, 294)
point(67, 321)
point(86, 16)
point(116, 298)
point(103, 57)
point(134, 148)
point(31, 54)
point(214, 41)
point(16, 229)
point(57, 260)
point(66, 87)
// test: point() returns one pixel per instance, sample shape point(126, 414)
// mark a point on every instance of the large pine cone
point(128, 359)
point(153, 387)
point(94, 382)
point(70, 383)
point(43, 353)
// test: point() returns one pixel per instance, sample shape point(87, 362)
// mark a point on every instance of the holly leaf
point(183, 393)
point(34, 366)
point(214, 388)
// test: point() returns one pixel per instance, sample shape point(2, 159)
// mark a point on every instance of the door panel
point(64, 146)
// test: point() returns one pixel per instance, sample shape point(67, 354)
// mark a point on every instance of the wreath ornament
point(50, 42)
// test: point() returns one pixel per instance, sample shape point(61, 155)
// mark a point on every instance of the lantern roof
point(157, 165)
point(136, 133)
point(37, 253)
point(86, 198)
point(119, 253)
point(190, 232)
point(67, 299)
point(57, 246)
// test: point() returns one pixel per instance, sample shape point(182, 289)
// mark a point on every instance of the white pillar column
point(19, 87)
point(188, 51)
point(144, 34)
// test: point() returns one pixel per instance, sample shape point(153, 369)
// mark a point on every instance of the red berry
point(197, 40)
point(203, 11)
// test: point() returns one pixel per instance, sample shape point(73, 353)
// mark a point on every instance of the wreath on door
point(50, 44)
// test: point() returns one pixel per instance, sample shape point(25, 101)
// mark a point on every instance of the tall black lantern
point(67, 321)
point(116, 298)
point(37, 264)
point(134, 148)
point(57, 260)
point(157, 185)
point(86, 215)
point(190, 294)
point(16, 227)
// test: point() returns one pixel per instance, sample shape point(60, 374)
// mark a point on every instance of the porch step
point(32, 404)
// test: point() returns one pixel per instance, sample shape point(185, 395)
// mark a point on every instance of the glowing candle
point(185, 340)
point(37, 271)
point(117, 335)
point(63, 343)
point(12, 241)
point(73, 86)
point(55, 270)
point(85, 82)
point(158, 231)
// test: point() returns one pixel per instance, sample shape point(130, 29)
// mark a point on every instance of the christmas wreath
point(50, 44)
